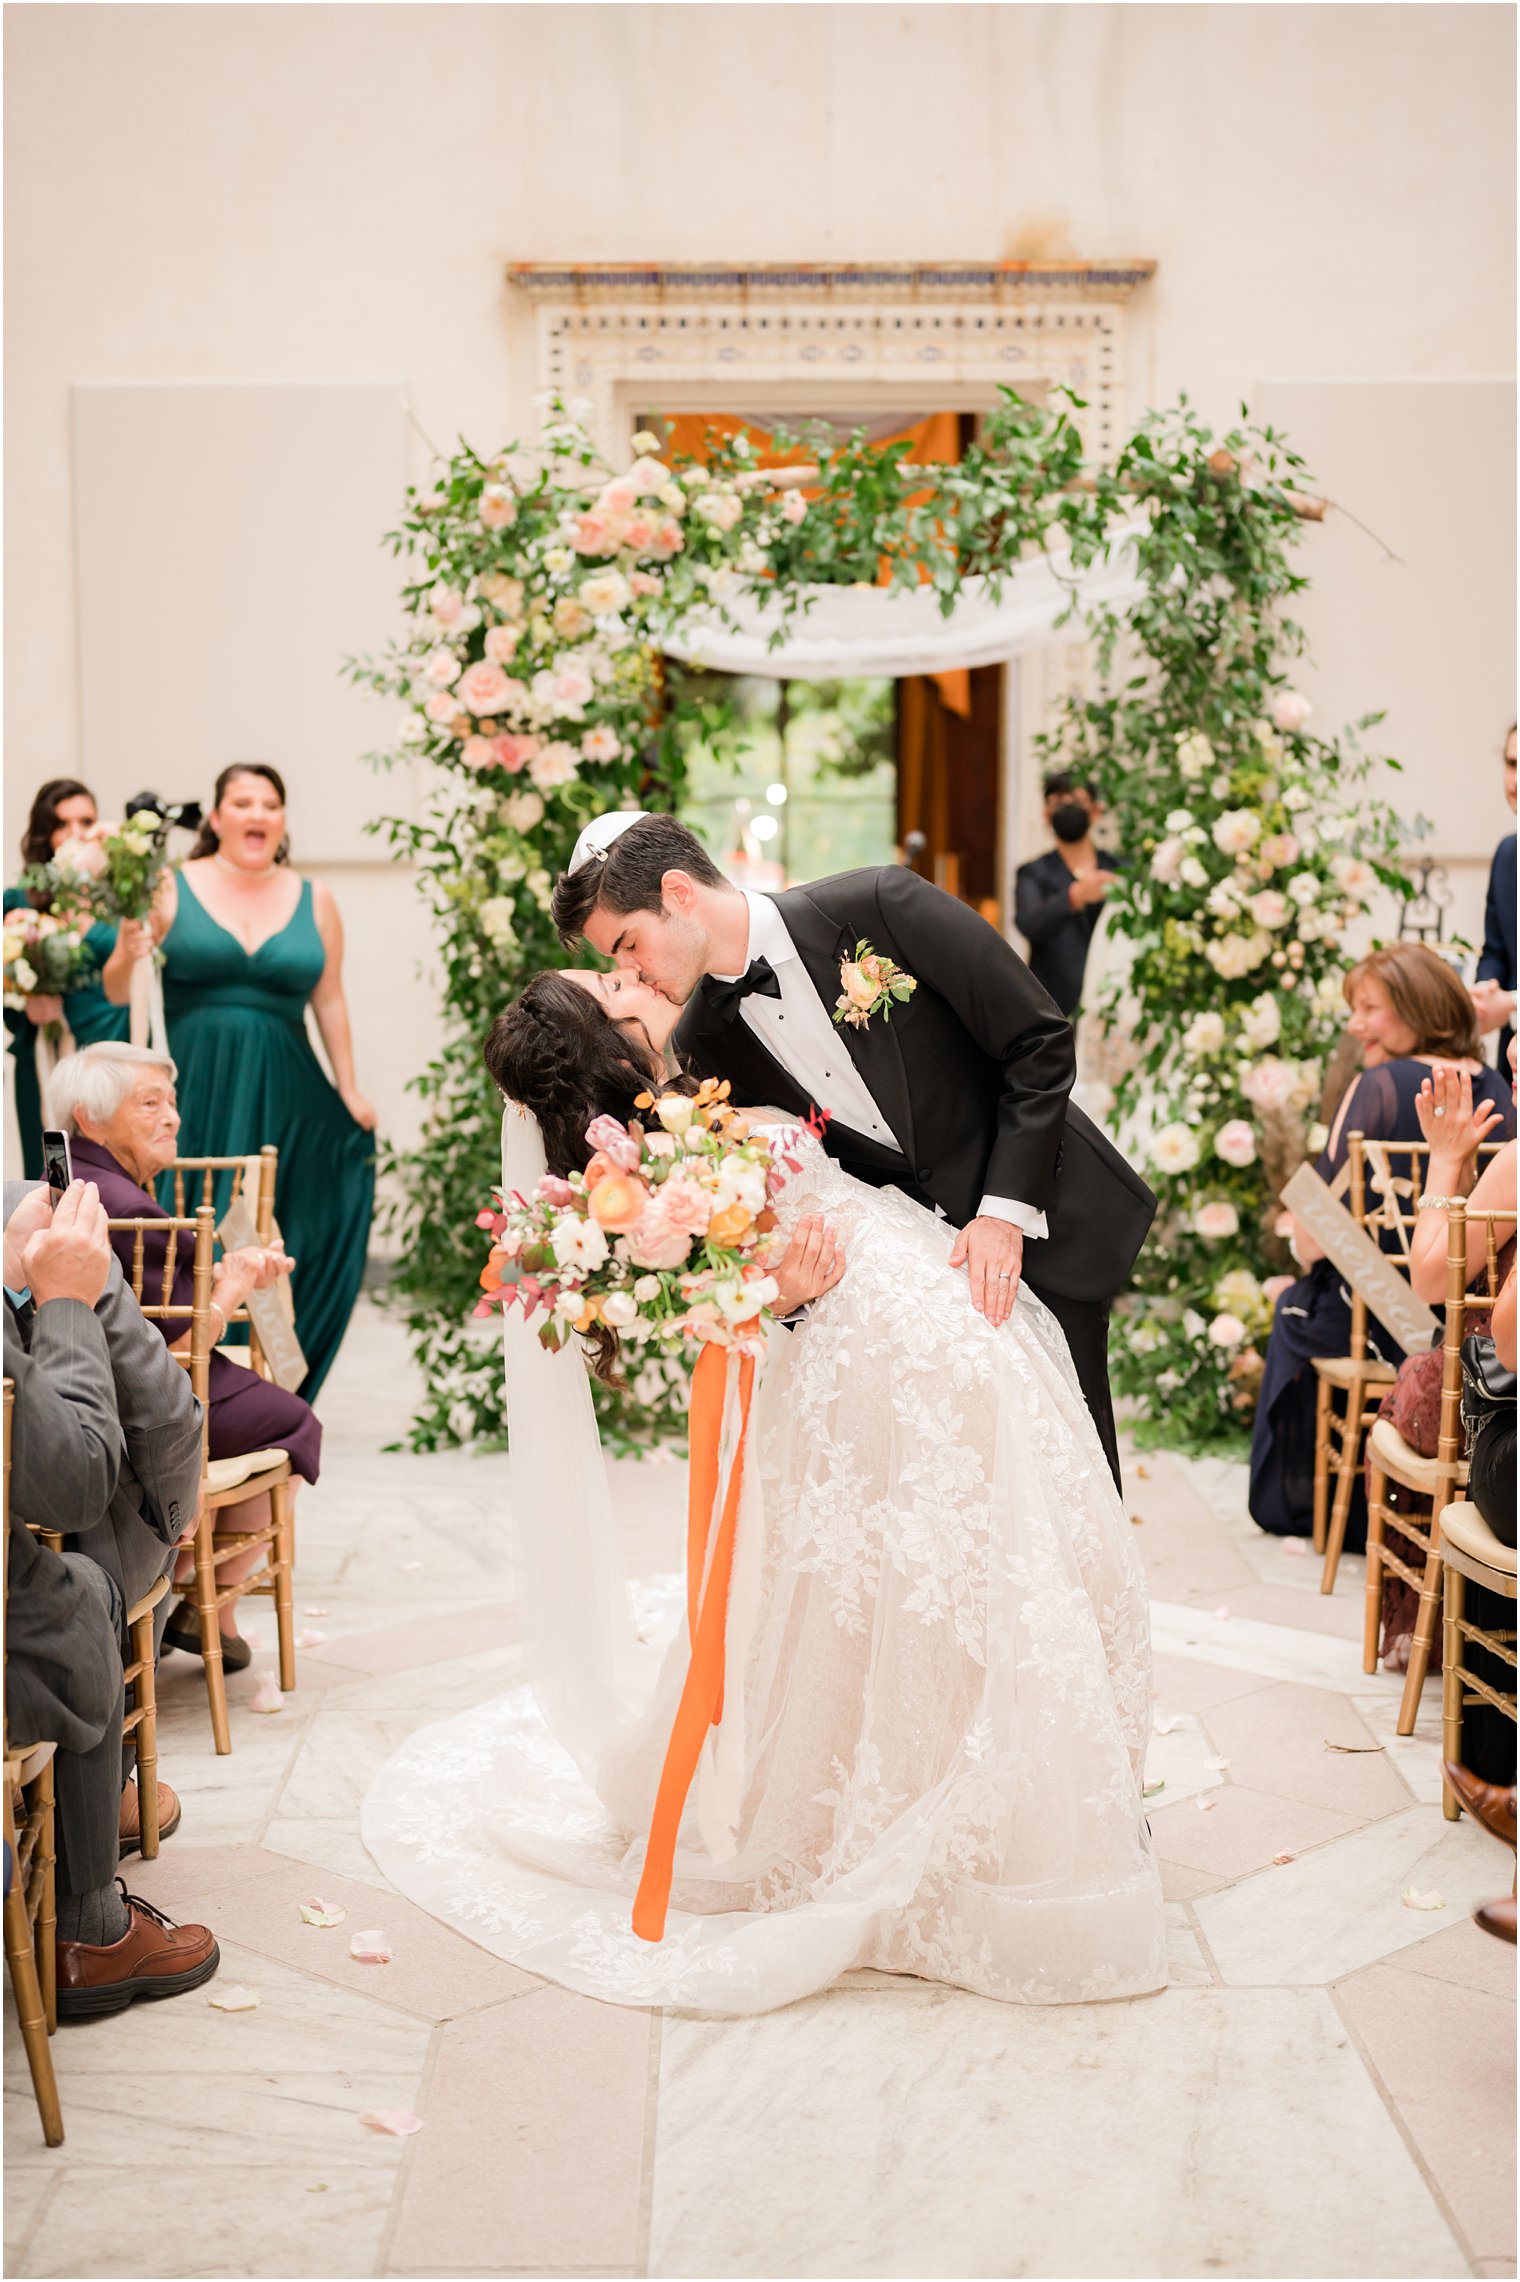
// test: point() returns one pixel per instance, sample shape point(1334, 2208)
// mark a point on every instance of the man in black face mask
point(1057, 897)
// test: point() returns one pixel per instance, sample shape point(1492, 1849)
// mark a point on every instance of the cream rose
point(1204, 1034)
point(441, 669)
point(1269, 909)
point(571, 618)
point(1290, 711)
point(501, 644)
point(1174, 1149)
point(1235, 1143)
point(1236, 831)
point(1216, 1220)
point(1195, 756)
point(1262, 1021)
point(604, 594)
point(555, 764)
point(1227, 1331)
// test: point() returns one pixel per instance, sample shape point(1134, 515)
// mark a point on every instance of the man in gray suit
point(64, 1612)
point(133, 1536)
point(158, 1484)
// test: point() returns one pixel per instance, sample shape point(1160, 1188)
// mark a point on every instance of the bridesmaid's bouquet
point(112, 875)
point(43, 956)
point(663, 1238)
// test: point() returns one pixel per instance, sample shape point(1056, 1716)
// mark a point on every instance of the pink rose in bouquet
point(484, 688)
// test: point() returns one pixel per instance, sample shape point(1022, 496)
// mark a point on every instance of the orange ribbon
point(701, 1705)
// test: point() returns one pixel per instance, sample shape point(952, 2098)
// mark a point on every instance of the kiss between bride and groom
point(936, 1671)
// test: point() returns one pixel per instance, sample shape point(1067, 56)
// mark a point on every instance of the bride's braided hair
point(559, 1052)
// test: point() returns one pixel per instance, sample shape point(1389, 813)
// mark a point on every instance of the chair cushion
point(1340, 1370)
point(1395, 1456)
point(223, 1474)
point(24, 1762)
point(1464, 1527)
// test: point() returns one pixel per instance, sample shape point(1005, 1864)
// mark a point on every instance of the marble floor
point(1326, 2088)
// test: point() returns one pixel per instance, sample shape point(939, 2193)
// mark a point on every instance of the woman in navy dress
point(1410, 1012)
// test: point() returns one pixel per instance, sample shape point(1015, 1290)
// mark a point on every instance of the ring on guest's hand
point(1440, 1113)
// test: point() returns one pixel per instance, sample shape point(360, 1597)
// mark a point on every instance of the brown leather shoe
point(1498, 1918)
point(1492, 1804)
point(130, 1828)
point(153, 1958)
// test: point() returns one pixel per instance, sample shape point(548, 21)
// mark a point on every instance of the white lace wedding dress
point(937, 1694)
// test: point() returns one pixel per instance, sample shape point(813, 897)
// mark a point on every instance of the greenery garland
point(540, 585)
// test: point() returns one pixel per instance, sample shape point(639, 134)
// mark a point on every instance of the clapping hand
point(1448, 1120)
point(252, 1268)
point(1493, 1004)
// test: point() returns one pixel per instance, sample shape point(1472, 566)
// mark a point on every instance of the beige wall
point(272, 196)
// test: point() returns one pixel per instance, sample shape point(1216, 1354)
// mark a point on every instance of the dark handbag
point(1488, 1386)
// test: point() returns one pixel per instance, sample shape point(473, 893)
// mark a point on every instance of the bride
point(937, 1667)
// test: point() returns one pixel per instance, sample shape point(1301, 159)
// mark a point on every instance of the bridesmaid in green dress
point(64, 809)
point(247, 945)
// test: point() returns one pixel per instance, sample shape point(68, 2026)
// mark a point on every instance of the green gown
point(90, 1015)
point(247, 1076)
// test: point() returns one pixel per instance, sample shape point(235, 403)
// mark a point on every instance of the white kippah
point(602, 831)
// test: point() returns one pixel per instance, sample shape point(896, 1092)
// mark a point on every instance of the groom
point(960, 1099)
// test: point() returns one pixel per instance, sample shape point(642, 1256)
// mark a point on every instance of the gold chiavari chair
point(1470, 1553)
point(224, 1481)
point(1350, 1387)
point(1436, 1481)
point(1381, 1197)
point(195, 1180)
point(31, 1907)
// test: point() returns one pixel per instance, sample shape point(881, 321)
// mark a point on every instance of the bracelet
point(1438, 1203)
point(222, 1312)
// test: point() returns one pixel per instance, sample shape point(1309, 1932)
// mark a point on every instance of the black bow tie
point(725, 998)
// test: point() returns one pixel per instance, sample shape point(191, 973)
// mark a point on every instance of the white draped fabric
point(862, 630)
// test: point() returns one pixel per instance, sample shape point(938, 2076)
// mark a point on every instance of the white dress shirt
point(798, 1030)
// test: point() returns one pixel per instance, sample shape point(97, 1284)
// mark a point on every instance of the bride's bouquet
point(43, 956)
point(664, 1237)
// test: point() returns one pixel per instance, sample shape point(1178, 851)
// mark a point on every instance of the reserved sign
point(1368, 1269)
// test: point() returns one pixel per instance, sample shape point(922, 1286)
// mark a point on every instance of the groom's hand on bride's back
point(811, 1265)
point(992, 1253)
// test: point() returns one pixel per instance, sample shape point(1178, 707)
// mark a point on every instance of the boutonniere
point(872, 985)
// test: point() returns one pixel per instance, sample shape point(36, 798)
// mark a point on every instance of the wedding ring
point(1004, 1275)
point(1440, 1113)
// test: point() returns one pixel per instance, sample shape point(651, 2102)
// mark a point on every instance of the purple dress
point(245, 1412)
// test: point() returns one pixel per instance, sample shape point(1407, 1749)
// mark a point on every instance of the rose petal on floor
point(235, 1999)
point(410, 1565)
point(1223, 1615)
point(1217, 1766)
point(398, 2123)
point(318, 1912)
point(314, 1612)
point(1294, 1547)
point(1162, 1723)
point(310, 1639)
point(267, 1696)
point(1205, 1806)
point(1278, 1859)
point(1413, 1901)
point(371, 1948)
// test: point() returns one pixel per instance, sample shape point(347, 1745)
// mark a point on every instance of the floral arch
point(544, 588)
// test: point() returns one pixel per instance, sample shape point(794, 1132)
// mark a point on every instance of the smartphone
point(57, 1163)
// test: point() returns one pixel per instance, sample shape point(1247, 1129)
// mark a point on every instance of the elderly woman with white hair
point(117, 1102)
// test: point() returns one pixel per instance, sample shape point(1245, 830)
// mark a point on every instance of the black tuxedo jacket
point(973, 1073)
